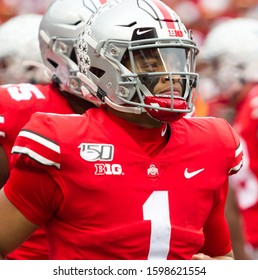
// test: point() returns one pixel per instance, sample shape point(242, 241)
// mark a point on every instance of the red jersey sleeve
point(238, 162)
point(37, 206)
point(37, 141)
point(216, 227)
point(19, 101)
point(31, 175)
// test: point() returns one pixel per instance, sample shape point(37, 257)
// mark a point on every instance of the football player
point(230, 53)
point(132, 179)
point(58, 31)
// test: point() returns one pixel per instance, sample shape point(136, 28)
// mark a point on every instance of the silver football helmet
point(127, 47)
point(59, 29)
point(229, 58)
point(20, 58)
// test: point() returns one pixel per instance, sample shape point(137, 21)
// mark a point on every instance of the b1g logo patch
point(96, 152)
point(108, 169)
point(175, 33)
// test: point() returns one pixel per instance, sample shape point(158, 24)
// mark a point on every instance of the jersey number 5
point(24, 92)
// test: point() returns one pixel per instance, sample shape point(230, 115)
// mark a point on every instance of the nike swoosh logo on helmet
point(141, 32)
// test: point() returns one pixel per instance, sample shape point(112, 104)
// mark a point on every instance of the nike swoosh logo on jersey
point(140, 32)
point(189, 175)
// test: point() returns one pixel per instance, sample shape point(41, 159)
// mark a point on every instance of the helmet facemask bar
point(64, 50)
point(146, 62)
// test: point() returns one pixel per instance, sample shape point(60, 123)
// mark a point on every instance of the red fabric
point(116, 197)
point(17, 104)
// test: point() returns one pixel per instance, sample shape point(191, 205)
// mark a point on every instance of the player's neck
point(78, 105)
point(142, 120)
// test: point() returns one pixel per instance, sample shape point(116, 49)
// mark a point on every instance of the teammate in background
point(19, 51)
point(58, 31)
point(132, 179)
point(229, 58)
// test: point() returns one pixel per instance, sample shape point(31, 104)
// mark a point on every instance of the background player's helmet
point(123, 30)
point(60, 26)
point(229, 58)
point(19, 50)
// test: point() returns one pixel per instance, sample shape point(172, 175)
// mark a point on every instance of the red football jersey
point(114, 200)
point(17, 103)
point(246, 182)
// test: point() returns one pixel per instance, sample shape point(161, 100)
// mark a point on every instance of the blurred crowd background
point(202, 15)
point(11, 8)
point(198, 15)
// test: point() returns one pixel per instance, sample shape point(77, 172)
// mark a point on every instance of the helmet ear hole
point(97, 72)
point(52, 62)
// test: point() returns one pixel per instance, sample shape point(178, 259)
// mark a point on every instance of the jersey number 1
point(156, 209)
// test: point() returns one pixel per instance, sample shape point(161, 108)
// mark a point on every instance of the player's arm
point(14, 227)
point(217, 243)
point(29, 199)
point(4, 172)
point(234, 219)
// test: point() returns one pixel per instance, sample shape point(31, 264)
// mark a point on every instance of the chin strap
point(87, 91)
point(124, 109)
point(166, 115)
